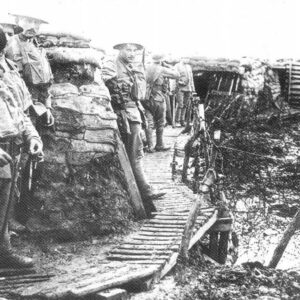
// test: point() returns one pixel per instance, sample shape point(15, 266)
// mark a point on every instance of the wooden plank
point(175, 218)
point(163, 226)
point(135, 197)
point(148, 247)
point(153, 229)
point(157, 262)
point(172, 222)
point(140, 252)
point(159, 234)
point(168, 243)
point(203, 229)
point(156, 238)
point(151, 256)
point(170, 264)
point(118, 281)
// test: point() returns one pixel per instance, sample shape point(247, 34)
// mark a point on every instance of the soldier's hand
point(35, 147)
point(49, 118)
point(5, 158)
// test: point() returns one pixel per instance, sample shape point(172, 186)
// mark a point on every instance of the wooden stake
point(289, 232)
point(223, 247)
point(213, 245)
point(208, 180)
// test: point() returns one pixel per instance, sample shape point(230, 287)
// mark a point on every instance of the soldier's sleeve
point(170, 73)
point(29, 130)
point(27, 99)
point(109, 70)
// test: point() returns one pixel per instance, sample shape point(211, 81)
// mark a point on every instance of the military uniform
point(15, 129)
point(156, 104)
point(185, 88)
point(19, 46)
point(129, 112)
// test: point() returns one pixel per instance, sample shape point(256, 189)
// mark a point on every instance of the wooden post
point(208, 180)
point(213, 245)
point(290, 230)
point(135, 196)
point(223, 247)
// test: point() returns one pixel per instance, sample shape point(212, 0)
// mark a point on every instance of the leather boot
point(8, 259)
point(149, 136)
point(159, 140)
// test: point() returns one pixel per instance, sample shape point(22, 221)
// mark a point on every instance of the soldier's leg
point(168, 110)
point(149, 130)
point(160, 117)
point(13, 224)
point(7, 258)
point(188, 112)
point(184, 107)
point(179, 106)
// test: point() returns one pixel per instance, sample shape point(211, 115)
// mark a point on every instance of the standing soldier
point(15, 128)
point(185, 89)
point(32, 64)
point(10, 27)
point(126, 82)
point(155, 104)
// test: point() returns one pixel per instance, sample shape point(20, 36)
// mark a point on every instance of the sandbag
point(59, 90)
point(65, 55)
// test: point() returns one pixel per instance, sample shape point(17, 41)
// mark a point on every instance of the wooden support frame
point(135, 196)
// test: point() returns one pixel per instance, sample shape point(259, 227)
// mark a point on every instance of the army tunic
point(15, 125)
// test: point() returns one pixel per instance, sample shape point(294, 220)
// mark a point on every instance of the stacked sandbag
point(84, 120)
point(253, 72)
point(219, 64)
point(81, 189)
point(52, 38)
point(64, 55)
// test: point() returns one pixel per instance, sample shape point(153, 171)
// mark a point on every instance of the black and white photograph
point(150, 150)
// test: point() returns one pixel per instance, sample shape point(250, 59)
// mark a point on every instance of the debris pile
point(248, 281)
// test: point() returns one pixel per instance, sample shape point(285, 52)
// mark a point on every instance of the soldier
point(155, 105)
point(185, 88)
point(10, 27)
point(33, 65)
point(126, 82)
point(15, 128)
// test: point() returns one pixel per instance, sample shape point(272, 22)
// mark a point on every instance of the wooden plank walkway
point(152, 251)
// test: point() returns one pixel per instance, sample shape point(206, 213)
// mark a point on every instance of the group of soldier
point(139, 98)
